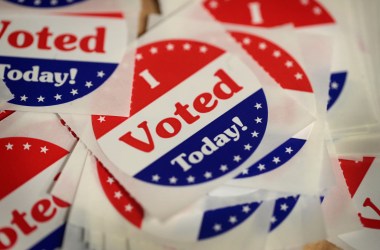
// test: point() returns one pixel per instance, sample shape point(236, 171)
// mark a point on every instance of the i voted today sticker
point(197, 114)
point(53, 61)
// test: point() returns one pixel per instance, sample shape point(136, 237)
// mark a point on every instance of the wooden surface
point(151, 6)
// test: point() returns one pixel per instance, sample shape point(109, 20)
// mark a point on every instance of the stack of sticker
point(219, 128)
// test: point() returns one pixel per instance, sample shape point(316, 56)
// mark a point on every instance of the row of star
point(57, 97)
point(232, 219)
point(118, 194)
point(276, 54)
point(26, 146)
point(170, 47)
point(275, 160)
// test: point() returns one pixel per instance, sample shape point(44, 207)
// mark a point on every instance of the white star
point(186, 46)
point(102, 119)
point(245, 171)
point(153, 50)
point(258, 105)
point(203, 49)
point(74, 91)
point(173, 180)
point(284, 207)
point(273, 219)
point(276, 53)
point(258, 120)
point(217, 227)
point(170, 46)
point(298, 76)
point(44, 149)
point(53, 2)
point(289, 150)
point(26, 146)
point(237, 158)
point(128, 208)
point(88, 84)
point(139, 57)
point(41, 98)
point(213, 4)
point(276, 160)
point(261, 167)
point(58, 97)
point(110, 180)
point(317, 11)
point(37, 2)
point(255, 134)
point(232, 219)
point(23, 98)
point(246, 41)
point(246, 209)
point(304, 2)
point(247, 147)
point(155, 178)
point(9, 146)
point(117, 195)
point(223, 168)
point(190, 179)
point(208, 175)
point(100, 74)
point(334, 85)
point(289, 64)
point(262, 46)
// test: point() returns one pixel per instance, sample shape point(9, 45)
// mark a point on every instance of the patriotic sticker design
point(337, 82)
point(44, 3)
point(276, 61)
point(269, 13)
point(190, 127)
point(17, 153)
point(49, 63)
point(361, 177)
point(24, 159)
point(211, 223)
point(282, 208)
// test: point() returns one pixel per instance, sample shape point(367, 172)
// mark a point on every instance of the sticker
point(25, 212)
point(190, 127)
point(361, 178)
point(269, 13)
point(50, 63)
point(208, 224)
point(44, 3)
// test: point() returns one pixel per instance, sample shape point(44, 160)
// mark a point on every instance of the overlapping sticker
point(31, 218)
point(50, 65)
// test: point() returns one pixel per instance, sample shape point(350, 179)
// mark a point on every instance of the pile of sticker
point(230, 124)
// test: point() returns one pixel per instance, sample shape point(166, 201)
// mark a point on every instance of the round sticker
point(269, 13)
point(44, 3)
point(197, 114)
point(48, 62)
point(208, 224)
